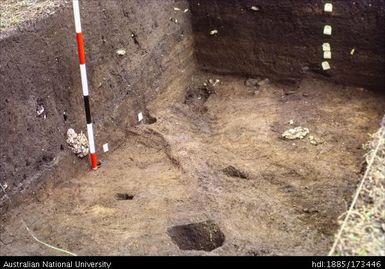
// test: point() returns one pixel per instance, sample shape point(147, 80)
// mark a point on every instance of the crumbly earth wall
point(39, 67)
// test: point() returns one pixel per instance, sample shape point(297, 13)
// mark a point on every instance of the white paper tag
point(105, 148)
point(327, 30)
point(328, 7)
point(325, 65)
point(140, 116)
point(326, 47)
point(327, 54)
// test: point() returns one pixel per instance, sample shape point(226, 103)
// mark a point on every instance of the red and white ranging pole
point(83, 74)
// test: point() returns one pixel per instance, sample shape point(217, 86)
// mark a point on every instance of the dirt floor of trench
point(215, 162)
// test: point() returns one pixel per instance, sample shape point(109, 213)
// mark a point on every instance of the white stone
point(214, 32)
point(214, 82)
point(315, 141)
point(296, 133)
point(4, 186)
point(78, 143)
point(40, 110)
point(121, 52)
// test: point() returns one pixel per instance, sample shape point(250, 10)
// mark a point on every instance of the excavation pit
point(210, 144)
point(205, 236)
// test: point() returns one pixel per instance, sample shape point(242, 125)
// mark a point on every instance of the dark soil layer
point(39, 67)
point(283, 39)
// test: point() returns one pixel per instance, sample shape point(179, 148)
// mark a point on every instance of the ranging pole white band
point(78, 25)
point(90, 132)
point(83, 74)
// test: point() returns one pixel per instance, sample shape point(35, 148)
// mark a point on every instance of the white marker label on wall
point(326, 47)
point(105, 148)
point(327, 54)
point(140, 116)
point(327, 30)
point(328, 7)
point(325, 65)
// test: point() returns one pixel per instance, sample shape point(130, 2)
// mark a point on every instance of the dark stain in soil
point(231, 171)
point(124, 197)
point(196, 98)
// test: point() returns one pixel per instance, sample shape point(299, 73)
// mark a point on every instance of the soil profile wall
point(39, 67)
point(283, 39)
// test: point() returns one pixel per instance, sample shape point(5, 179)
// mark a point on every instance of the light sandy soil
point(16, 12)
point(220, 159)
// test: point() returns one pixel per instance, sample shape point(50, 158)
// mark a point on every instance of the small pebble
point(214, 32)
point(121, 52)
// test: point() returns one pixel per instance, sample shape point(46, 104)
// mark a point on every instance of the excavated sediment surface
point(212, 163)
point(207, 171)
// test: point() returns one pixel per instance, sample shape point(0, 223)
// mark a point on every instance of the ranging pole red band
point(82, 55)
point(93, 160)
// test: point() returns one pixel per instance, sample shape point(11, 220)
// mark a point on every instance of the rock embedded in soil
point(256, 82)
point(315, 140)
point(255, 8)
point(78, 143)
point(40, 110)
point(252, 82)
point(121, 52)
point(296, 133)
point(213, 32)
